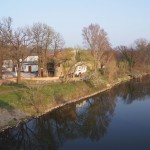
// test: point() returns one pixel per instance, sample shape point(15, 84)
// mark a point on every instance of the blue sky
point(123, 20)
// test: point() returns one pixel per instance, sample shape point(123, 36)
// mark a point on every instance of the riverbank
point(108, 87)
point(14, 117)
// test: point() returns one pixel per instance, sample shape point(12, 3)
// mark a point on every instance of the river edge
point(28, 118)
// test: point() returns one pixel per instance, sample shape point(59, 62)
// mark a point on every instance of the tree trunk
point(1, 69)
point(39, 65)
point(19, 73)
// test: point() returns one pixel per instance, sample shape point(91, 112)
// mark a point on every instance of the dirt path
point(10, 117)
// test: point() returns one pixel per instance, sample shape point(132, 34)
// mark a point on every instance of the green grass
point(7, 88)
point(42, 98)
point(11, 100)
point(67, 91)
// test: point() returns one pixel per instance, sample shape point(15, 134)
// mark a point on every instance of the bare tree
point(1, 51)
point(128, 54)
point(141, 44)
point(42, 35)
point(95, 38)
point(3, 56)
point(57, 42)
point(147, 54)
point(3, 46)
point(142, 47)
point(18, 42)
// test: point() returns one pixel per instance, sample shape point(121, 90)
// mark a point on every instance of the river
point(117, 119)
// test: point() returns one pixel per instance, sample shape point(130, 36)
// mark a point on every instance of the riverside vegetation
point(107, 66)
point(36, 100)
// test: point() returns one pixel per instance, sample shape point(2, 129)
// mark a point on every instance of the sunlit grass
point(37, 99)
point(43, 97)
point(11, 100)
point(7, 88)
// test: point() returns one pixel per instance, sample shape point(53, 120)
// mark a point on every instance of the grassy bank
point(39, 99)
point(36, 99)
point(10, 96)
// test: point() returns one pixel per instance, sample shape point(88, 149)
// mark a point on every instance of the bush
point(33, 98)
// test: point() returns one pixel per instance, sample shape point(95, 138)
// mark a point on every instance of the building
point(30, 64)
point(8, 64)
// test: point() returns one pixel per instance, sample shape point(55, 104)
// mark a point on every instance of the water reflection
point(87, 119)
point(135, 90)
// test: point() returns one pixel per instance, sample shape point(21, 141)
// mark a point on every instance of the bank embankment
point(35, 101)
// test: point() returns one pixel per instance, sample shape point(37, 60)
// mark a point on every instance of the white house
point(30, 64)
point(28, 67)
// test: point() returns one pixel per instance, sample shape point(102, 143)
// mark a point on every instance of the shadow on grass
point(17, 85)
point(5, 105)
point(89, 84)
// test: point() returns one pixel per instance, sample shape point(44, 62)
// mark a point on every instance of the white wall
point(34, 68)
point(25, 67)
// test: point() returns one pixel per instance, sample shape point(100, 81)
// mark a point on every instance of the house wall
point(25, 68)
point(59, 70)
point(8, 63)
point(30, 64)
point(34, 68)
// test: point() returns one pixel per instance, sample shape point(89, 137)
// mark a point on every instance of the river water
point(118, 119)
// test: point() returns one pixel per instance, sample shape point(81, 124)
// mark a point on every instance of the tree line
point(43, 40)
point(17, 44)
point(115, 62)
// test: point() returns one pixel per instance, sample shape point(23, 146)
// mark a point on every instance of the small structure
point(30, 64)
point(8, 64)
point(29, 67)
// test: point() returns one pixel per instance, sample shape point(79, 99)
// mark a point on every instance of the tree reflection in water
point(87, 119)
point(134, 90)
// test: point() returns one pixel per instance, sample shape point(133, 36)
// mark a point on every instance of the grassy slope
point(6, 88)
point(40, 99)
point(10, 100)
point(48, 96)
point(44, 97)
